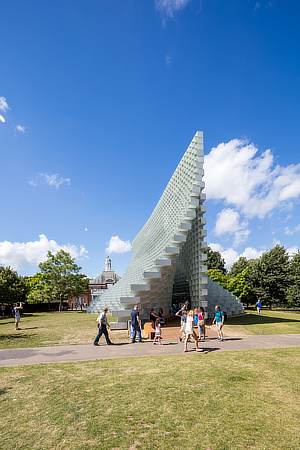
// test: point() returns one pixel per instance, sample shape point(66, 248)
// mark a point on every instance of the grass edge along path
point(236, 400)
point(70, 328)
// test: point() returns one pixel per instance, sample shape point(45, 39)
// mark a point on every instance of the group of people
point(190, 321)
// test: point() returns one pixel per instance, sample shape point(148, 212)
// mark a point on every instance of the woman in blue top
point(219, 321)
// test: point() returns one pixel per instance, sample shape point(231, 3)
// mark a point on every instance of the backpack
point(225, 315)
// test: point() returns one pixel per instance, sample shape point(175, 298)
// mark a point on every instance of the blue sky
point(101, 99)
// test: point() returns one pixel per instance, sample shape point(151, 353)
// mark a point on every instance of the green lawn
point(267, 322)
point(45, 329)
point(242, 400)
point(68, 328)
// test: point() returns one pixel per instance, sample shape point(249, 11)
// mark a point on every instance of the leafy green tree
point(38, 291)
point(60, 277)
point(239, 287)
point(269, 277)
point(293, 292)
point(238, 267)
point(12, 286)
point(218, 277)
point(215, 260)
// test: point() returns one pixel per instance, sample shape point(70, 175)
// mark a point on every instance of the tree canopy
point(215, 260)
point(58, 279)
point(12, 286)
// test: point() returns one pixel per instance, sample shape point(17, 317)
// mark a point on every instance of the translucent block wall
point(174, 229)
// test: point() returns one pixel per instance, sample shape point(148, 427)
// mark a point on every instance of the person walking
point(182, 313)
point(201, 322)
point(136, 324)
point(189, 331)
point(258, 306)
point(16, 312)
point(103, 325)
point(219, 321)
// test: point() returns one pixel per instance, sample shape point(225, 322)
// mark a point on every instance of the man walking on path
point(136, 324)
point(219, 320)
point(102, 325)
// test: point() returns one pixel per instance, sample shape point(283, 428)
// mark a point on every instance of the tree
point(239, 287)
point(238, 267)
point(38, 291)
point(12, 286)
point(293, 292)
point(218, 277)
point(60, 277)
point(269, 277)
point(215, 260)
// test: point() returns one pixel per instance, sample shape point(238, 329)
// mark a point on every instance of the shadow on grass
point(4, 390)
point(16, 337)
point(25, 328)
point(255, 319)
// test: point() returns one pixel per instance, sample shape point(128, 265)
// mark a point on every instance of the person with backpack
point(219, 321)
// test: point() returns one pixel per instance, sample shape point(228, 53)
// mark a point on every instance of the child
point(201, 323)
point(189, 331)
point(157, 332)
point(195, 317)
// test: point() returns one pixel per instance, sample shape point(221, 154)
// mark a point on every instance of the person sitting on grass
point(189, 331)
point(157, 332)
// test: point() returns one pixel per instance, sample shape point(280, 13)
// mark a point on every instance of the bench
point(148, 330)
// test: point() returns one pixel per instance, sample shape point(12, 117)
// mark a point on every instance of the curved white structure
point(173, 234)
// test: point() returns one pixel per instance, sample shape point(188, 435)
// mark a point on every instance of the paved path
point(15, 357)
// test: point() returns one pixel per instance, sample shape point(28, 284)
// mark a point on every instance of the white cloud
point(250, 183)
point(240, 237)
point(20, 129)
point(170, 7)
point(116, 245)
point(227, 222)
point(215, 247)
point(291, 232)
point(252, 253)
point(292, 250)
point(53, 180)
point(17, 254)
point(230, 256)
point(3, 104)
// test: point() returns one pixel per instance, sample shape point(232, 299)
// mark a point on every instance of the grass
point(242, 400)
point(46, 329)
point(267, 322)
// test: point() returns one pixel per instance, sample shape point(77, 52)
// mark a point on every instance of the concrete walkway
point(71, 353)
